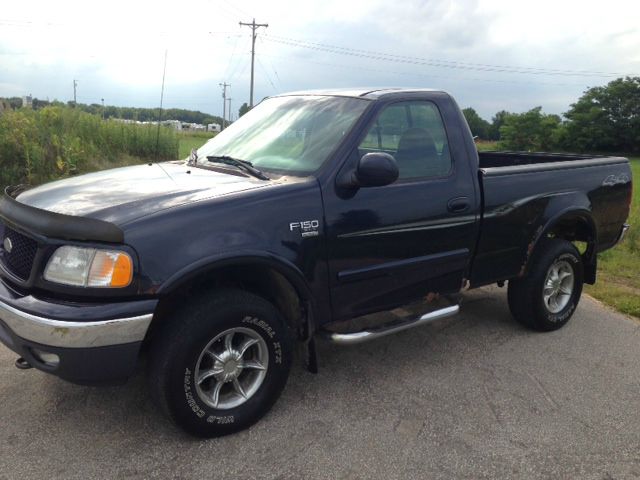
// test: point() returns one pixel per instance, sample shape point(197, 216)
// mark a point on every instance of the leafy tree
point(478, 125)
point(532, 130)
point(244, 108)
point(496, 122)
point(606, 118)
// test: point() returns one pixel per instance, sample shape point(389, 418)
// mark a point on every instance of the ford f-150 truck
point(346, 215)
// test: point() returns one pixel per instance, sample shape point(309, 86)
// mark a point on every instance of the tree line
point(128, 113)
point(604, 119)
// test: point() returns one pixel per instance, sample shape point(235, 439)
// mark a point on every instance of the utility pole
point(254, 26)
point(229, 110)
point(75, 85)
point(224, 102)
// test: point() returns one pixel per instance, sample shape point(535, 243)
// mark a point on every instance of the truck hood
point(124, 194)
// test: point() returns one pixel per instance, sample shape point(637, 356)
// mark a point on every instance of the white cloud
point(116, 49)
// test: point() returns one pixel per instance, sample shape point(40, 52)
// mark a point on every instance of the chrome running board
point(366, 335)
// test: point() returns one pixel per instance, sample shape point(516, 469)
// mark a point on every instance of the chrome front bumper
point(59, 333)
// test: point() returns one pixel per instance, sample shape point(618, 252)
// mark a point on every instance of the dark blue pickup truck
point(346, 215)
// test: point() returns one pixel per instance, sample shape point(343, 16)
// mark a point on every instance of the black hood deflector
point(55, 225)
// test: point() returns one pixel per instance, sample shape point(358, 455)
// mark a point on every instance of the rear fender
point(554, 224)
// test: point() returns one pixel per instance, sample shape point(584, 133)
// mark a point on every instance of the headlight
point(89, 267)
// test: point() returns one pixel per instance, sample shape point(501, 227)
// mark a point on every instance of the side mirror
point(375, 169)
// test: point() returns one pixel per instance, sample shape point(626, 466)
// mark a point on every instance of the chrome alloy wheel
point(231, 368)
point(558, 286)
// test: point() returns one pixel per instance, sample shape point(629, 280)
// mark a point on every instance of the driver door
point(392, 245)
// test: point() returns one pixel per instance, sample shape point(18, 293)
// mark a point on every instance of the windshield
point(294, 135)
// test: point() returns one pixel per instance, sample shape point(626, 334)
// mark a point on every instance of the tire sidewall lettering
point(270, 332)
point(219, 417)
point(193, 404)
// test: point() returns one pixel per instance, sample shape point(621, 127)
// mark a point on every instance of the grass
point(619, 269)
point(486, 145)
point(189, 140)
point(59, 141)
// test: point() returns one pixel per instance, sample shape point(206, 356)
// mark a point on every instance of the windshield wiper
point(241, 164)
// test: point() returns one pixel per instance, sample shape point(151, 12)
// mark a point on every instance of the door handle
point(458, 205)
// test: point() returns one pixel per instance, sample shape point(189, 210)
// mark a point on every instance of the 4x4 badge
point(8, 245)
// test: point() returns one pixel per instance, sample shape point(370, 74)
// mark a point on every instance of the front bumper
point(95, 344)
point(69, 334)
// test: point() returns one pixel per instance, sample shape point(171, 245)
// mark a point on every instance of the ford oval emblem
point(8, 245)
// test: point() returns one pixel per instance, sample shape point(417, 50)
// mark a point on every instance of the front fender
point(246, 257)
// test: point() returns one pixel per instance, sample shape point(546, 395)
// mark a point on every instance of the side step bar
point(366, 335)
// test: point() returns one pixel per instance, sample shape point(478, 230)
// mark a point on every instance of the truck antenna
point(164, 71)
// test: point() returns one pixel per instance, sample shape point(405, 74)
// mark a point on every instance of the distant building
point(194, 127)
point(175, 124)
point(27, 101)
point(213, 127)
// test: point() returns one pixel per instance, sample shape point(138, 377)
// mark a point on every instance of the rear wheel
point(221, 364)
point(547, 297)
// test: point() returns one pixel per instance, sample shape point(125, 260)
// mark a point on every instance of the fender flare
point(246, 257)
point(542, 230)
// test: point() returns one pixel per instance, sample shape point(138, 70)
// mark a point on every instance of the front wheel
point(547, 297)
point(221, 364)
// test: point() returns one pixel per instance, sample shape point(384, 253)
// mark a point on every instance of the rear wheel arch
point(573, 226)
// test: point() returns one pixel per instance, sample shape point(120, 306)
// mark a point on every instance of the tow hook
point(22, 364)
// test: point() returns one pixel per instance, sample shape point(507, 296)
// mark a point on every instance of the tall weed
point(58, 141)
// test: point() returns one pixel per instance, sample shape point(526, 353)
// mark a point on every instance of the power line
point(414, 74)
point(266, 74)
point(236, 8)
point(277, 77)
point(254, 26)
point(233, 52)
point(433, 62)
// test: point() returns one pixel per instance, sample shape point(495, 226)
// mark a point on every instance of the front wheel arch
point(279, 283)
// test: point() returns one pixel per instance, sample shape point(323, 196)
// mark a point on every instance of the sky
point(489, 54)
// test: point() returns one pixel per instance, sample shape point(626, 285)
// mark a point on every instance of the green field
point(191, 140)
point(619, 269)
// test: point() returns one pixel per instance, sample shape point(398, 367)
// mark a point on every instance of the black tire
point(525, 295)
point(178, 347)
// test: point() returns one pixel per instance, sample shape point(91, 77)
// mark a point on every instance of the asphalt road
point(473, 396)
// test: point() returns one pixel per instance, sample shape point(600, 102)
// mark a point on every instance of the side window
point(414, 134)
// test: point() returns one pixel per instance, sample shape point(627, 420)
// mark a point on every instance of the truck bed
point(524, 193)
point(510, 159)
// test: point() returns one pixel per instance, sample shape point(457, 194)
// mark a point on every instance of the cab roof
point(369, 93)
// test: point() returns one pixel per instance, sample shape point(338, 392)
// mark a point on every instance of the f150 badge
point(307, 228)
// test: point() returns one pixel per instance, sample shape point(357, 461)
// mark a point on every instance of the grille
point(20, 260)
